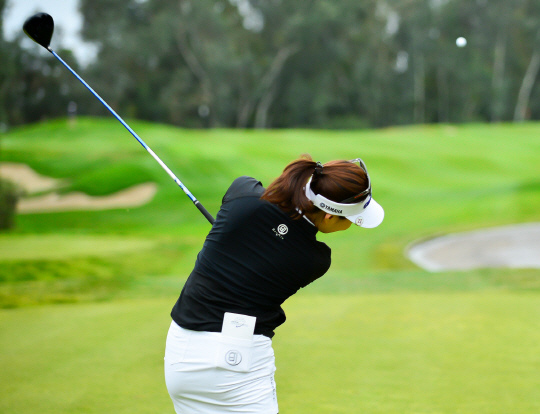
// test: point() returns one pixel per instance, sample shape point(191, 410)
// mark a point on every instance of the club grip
point(205, 212)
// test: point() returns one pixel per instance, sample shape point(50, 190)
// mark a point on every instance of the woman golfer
point(261, 249)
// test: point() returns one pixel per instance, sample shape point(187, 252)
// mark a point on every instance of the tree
point(324, 63)
point(6, 70)
point(527, 84)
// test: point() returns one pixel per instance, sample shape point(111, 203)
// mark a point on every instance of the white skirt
point(208, 373)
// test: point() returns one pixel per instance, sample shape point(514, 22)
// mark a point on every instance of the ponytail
point(287, 191)
point(336, 180)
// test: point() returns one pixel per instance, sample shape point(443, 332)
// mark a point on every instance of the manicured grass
point(96, 358)
point(370, 353)
point(410, 353)
point(375, 335)
point(430, 179)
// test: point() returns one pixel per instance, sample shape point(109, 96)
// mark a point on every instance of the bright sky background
point(67, 24)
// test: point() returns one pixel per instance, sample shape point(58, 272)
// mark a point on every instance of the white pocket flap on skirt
point(234, 354)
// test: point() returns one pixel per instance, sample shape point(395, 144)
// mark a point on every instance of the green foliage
point(324, 64)
point(32, 87)
point(9, 195)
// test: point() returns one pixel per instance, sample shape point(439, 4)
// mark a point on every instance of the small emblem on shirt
point(281, 231)
point(233, 357)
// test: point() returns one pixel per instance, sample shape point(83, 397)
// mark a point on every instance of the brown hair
point(336, 180)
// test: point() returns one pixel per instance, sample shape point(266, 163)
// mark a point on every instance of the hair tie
point(318, 169)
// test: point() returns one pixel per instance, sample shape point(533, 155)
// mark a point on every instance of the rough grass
point(38, 269)
point(61, 246)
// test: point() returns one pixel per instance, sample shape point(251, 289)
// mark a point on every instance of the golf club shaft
point(146, 147)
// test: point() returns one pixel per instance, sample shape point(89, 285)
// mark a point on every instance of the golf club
point(39, 28)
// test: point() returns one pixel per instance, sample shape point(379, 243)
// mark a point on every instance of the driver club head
point(39, 28)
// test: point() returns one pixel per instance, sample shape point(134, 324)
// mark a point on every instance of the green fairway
point(378, 353)
point(411, 353)
point(375, 335)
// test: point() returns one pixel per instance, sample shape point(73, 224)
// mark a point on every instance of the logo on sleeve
point(281, 231)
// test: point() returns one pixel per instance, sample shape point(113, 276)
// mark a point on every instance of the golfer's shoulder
point(243, 187)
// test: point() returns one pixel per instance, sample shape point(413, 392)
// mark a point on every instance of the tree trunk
point(268, 85)
point(246, 108)
point(195, 66)
point(497, 81)
point(520, 112)
point(261, 116)
point(442, 95)
point(3, 110)
point(419, 88)
point(245, 105)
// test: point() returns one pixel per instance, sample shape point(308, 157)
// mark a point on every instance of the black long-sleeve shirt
point(253, 259)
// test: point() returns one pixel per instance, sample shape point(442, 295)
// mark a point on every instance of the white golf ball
point(461, 42)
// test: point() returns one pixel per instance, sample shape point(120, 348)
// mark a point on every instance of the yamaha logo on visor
point(331, 209)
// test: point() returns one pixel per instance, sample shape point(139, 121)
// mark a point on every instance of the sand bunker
point(132, 197)
point(516, 246)
point(32, 182)
point(27, 179)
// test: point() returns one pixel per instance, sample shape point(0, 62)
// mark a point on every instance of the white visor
point(367, 214)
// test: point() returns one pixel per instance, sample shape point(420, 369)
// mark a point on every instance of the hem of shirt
point(214, 329)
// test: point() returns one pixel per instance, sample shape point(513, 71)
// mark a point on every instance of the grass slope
point(375, 335)
point(430, 180)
